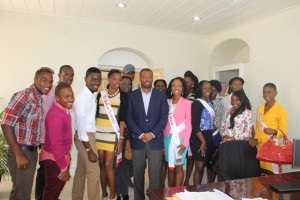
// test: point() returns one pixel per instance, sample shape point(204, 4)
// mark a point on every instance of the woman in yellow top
point(271, 120)
point(110, 123)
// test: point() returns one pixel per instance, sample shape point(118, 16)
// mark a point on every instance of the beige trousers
point(86, 170)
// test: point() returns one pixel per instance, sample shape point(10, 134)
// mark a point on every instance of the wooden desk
point(250, 188)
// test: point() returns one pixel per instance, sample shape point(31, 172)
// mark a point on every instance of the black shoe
point(119, 197)
point(126, 197)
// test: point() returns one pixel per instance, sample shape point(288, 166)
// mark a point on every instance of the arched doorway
point(228, 59)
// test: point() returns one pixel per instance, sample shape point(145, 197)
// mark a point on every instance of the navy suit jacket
point(139, 122)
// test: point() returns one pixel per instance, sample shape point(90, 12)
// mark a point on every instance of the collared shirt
point(25, 113)
point(146, 99)
point(59, 137)
point(85, 113)
point(49, 99)
point(242, 129)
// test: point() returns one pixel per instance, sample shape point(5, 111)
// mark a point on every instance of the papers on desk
point(215, 195)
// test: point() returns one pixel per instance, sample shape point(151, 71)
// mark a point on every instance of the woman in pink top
point(55, 154)
point(178, 130)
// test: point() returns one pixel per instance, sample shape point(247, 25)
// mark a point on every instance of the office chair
point(237, 160)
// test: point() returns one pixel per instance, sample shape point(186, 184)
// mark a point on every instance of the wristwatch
point(89, 149)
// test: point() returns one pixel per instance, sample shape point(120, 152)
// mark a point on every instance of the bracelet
point(89, 149)
point(122, 137)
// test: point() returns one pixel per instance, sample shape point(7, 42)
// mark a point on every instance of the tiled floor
point(5, 187)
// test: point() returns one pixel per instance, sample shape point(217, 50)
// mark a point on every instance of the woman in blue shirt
point(201, 141)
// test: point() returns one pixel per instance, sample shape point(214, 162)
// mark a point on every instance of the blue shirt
point(206, 121)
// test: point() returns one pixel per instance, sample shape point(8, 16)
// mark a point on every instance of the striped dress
point(106, 137)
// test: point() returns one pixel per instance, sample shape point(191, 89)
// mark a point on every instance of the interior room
point(259, 39)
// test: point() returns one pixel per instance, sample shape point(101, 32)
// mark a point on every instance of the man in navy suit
point(146, 119)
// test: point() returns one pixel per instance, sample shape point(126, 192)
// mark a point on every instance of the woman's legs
point(103, 176)
point(199, 170)
point(189, 169)
point(178, 176)
point(211, 175)
point(110, 174)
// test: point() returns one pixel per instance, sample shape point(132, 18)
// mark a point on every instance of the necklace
point(112, 95)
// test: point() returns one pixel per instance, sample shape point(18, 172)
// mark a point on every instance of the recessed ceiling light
point(121, 5)
point(196, 18)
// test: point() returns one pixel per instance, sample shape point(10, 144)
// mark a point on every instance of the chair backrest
point(237, 160)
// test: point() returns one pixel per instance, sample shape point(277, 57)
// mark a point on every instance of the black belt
point(28, 148)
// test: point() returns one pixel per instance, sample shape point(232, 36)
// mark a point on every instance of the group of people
point(167, 127)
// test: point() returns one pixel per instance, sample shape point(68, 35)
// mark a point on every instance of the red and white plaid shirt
point(25, 113)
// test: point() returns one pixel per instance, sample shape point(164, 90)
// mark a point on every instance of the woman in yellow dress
point(271, 120)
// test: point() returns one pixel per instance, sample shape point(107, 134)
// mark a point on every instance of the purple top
point(58, 138)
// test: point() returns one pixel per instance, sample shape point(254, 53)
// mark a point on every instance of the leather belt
point(28, 148)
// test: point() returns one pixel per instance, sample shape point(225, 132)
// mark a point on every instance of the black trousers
point(40, 182)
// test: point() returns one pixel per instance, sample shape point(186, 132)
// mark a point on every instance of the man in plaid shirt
point(21, 125)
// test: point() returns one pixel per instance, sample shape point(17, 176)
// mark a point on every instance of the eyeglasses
point(44, 69)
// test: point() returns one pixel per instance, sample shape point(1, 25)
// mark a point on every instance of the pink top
point(49, 100)
point(182, 113)
point(58, 138)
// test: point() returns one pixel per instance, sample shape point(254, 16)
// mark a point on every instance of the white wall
point(274, 57)
point(31, 41)
point(28, 42)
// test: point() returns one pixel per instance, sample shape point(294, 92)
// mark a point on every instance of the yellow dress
point(276, 118)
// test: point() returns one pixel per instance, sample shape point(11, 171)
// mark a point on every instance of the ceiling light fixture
point(121, 5)
point(196, 18)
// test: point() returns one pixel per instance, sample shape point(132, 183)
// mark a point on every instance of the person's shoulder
point(196, 102)
point(186, 101)
point(247, 111)
point(280, 107)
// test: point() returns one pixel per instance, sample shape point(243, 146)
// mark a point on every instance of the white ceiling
point(176, 15)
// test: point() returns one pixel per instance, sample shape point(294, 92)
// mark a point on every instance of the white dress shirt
point(85, 112)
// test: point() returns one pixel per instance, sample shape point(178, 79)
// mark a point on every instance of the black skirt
point(195, 146)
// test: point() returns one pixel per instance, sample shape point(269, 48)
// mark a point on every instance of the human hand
point(181, 148)
point(202, 149)
point(92, 156)
point(148, 137)
point(269, 131)
point(22, 161)
point(64, 176)
point(253, 142)
point(119, 147)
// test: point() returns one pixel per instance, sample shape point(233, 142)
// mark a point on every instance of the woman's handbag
point(127, 153)
point(282, 153)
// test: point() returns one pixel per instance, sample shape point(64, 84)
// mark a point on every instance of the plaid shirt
point(25, 113)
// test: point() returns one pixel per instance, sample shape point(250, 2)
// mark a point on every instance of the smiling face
point(177, 87)
point(126, 85)
point(206, 90)
point(43, 82)
point(65, 97)
point(66, 75)
point(93, 81)
point(269, 93)
point(235, 102)
point(115, 81)
point(146, 79)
